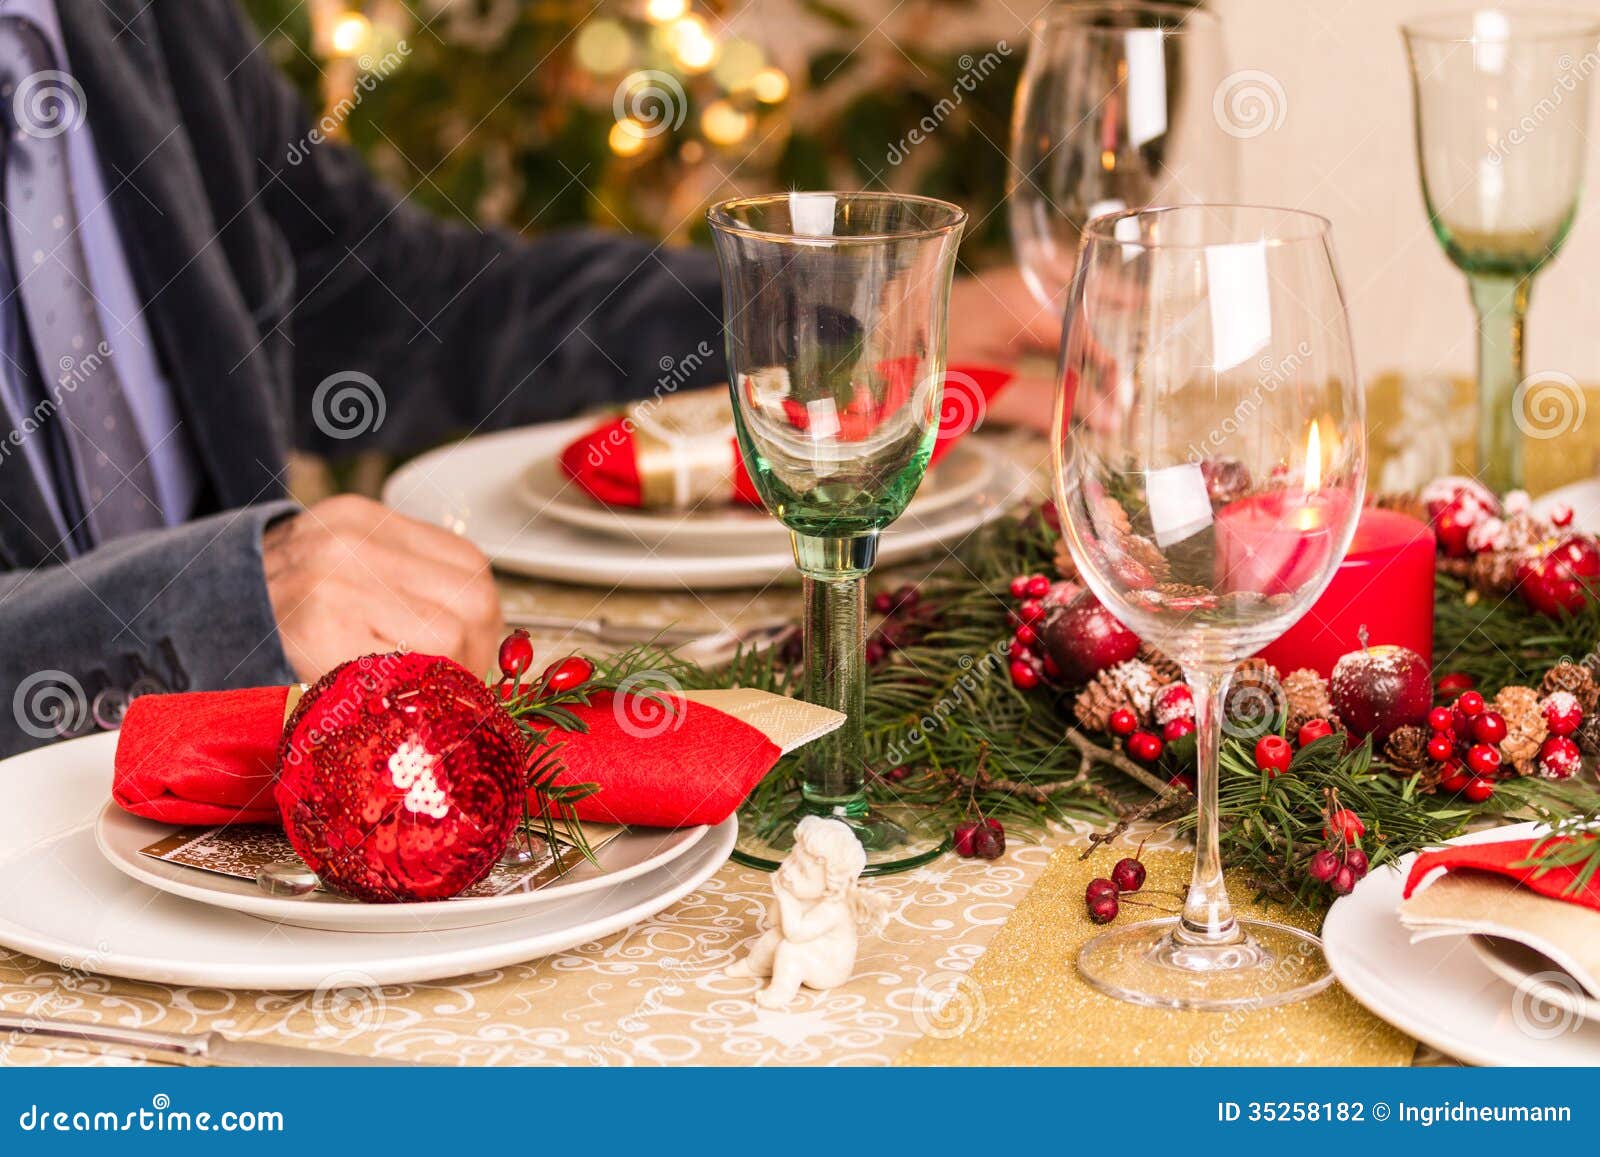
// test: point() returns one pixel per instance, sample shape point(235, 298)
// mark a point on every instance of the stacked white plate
point(1472, 999)
point(75, 892)
point(507, 494)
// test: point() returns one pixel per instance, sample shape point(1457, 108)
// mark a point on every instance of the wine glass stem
point(835, 588)
point(1502, 305)
point(1207, 914)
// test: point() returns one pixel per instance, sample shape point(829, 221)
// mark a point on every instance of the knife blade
point(207, 1049)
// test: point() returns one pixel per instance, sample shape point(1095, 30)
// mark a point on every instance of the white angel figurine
point(817, 905)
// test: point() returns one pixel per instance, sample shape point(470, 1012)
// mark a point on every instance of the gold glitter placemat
point(1023, 1003)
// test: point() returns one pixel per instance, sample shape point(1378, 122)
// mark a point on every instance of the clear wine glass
point(1210, 460)
point(1121, 105)
point(835, 307)
point(1502, 115)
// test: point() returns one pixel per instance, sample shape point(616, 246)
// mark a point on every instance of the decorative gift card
point(243, 850)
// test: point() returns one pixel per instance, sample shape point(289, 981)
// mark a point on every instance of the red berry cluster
point(1466, 744)
point(1104, 897)
point(1172, 712)
point(980, 839)
point(516, 659)
point(1030, 666)
point(1342, 862)
point(905, 618)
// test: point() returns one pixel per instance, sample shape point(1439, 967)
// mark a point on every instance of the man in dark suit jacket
point(233, 274)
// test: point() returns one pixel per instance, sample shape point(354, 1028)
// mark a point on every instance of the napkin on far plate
point(1477, 889)
point(210, 757)
point(678, 451)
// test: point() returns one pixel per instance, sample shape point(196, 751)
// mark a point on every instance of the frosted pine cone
point(1306, 697)
point(1573, 677)
point(1525, 727)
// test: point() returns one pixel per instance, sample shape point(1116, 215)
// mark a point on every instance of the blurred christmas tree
point(638, 113)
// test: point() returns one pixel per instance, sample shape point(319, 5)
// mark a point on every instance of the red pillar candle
point(1384, 586)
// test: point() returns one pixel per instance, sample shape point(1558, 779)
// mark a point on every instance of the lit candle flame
point(1309, 518)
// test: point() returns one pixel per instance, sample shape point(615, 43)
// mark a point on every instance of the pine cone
point(1254, 697)
point(1591, 663)
point(1132, 685)
point(1148, 555)
point(1456, 567)
point(1569, 676)
point(1588, 735)
point(1494, 572)
point(1306, 697)
point(1407, 748)
point(1525, 727)
point(1166, 670)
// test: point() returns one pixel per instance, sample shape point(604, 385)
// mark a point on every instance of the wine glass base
point(896, 839)
point(1144, 964)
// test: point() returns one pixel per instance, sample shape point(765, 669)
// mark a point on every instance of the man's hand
point(995, 320)
point(349, 576)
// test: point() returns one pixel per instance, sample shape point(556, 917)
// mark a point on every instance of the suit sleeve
point(167, 610)
point(462, 328)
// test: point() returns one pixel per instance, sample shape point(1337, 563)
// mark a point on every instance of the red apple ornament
point(1084, 639)
point(401, 778)
point(1378, 689)
point(1557, 577)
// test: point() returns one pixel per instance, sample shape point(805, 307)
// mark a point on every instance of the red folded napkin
point(1502, 859)
point(210, 758)
point(605, 462)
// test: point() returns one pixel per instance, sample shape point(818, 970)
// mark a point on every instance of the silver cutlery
point(183, 1048)
point(606, 630)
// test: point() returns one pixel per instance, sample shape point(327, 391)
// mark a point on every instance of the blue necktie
point(115, 485)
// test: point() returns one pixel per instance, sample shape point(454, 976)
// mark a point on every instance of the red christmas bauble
point(1084, 639)
point(1562, 712)
point(1378, 689)
point(1557, 578)
point(1174, 701)
point(400, 778)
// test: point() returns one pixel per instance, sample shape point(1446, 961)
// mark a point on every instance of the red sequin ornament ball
point(400, 778)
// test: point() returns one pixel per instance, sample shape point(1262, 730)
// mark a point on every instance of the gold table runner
point(1024, 1003)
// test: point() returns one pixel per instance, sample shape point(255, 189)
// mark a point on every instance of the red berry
point(1038, 586)
point(1344, 825)
point(1103, 909)
point(990, 842)
point(965, 838)
point(1123, 722)
point(565, 674)
point(1483, 759)
point(1128, 875)
point(1356, 860)
point(1313, 730)
point(1560, 515)
point(1344, 880)
point(1323, 865)
point(1019, 587)
point(1099, 888)
point(1273, 755)
point(1562, 712)
point(1031, 611)
point(1026, 635)
point(1441, 719)
point(1454, 683)
point(1441, 746)
point(1052, 669)
point(1478, 789)
point(883, 602)
point(516, 654)
point(1175, 729)
point(1144, 746)
point(1023, 675)
point(1469, 703)
point(1559, 758)
point(1490, 727)
point(1174, 701)
point(1455, 780)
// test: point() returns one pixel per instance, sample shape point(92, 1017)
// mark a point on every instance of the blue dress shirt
point(172, 455)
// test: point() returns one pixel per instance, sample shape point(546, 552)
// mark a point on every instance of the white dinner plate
point(959, 477)
point(1583, 497)
point(1439, 990)
point(471, 487)
point(60, 900)
point(120, 837)
point(1539, 979)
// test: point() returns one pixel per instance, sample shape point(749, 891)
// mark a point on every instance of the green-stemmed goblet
point(1502, 111)
point(835, 307)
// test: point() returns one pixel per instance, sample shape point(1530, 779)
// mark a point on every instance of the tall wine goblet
point(1210, 460)
point(1121, 105)
point(835, 307)
point(1502, 114)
